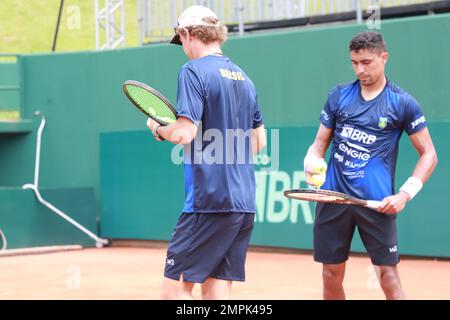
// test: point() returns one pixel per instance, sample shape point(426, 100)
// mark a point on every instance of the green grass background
point(28, 26)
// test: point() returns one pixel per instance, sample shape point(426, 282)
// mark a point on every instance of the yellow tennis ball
point(319, 167)
point(317, 180)
point(314, 165)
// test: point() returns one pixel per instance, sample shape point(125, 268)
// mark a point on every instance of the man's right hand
point(315, 169)
point(153, 126)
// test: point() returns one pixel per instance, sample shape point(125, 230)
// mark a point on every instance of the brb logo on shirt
point(358, 156)
point(358, 135)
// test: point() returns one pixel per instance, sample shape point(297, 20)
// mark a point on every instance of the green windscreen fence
point(142, 192)
point(26, 223)
point(95, 139)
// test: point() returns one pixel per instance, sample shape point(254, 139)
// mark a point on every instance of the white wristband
point(412, 186)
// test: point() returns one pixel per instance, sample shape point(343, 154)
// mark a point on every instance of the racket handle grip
point(373, 204)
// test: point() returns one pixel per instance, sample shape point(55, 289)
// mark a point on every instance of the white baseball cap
point(193, 16)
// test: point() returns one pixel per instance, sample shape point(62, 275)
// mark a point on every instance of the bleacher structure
point(109, 20)
point(156, 19)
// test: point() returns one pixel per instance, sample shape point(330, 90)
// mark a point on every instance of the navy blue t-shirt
point(366, 138)
point(221, 100)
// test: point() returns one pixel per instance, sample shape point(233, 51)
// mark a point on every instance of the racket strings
point(149, 102)
point(323, 196)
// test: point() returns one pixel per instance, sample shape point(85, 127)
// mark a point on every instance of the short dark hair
point(369, 40)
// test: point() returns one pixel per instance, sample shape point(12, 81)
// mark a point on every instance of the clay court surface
point(135, 273)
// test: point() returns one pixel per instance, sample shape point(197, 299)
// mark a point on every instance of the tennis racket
point(152, 103)
point(329, 196)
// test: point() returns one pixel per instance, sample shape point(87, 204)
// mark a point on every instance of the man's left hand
point(394, 204)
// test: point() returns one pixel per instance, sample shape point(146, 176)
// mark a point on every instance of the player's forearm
point(425, 165)
point(255, 148)
point(321, 142)
point(317, 150)
point(175, 134)
point(259, 139)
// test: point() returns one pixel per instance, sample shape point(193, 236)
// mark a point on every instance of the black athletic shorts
point(335, 224)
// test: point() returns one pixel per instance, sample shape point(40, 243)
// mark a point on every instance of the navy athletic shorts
point(335, 225)
point(207, 245)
